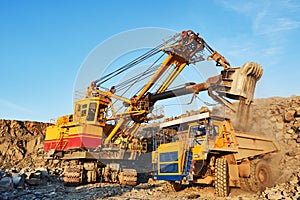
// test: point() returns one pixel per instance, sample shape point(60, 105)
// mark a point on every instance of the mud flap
point(199, 167)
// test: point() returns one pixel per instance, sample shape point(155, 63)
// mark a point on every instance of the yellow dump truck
point(205, 149)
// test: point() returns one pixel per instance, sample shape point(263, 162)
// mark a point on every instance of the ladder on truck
point(188, 158)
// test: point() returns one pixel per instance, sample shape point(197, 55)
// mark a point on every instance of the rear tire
point(260, 175)
point(244, 182)
point(222, 178)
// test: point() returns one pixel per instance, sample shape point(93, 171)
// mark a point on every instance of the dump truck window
point(212, 134)
point(92, 112)
point(215, 130)
point(196, 131)
point(193, 130)
point(168, 157)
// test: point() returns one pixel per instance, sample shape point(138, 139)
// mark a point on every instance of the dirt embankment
point(20, 144)
point(278, 118)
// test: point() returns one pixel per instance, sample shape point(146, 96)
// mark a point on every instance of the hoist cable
point(133, 63)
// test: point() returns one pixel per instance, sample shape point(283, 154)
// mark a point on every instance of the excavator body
point(84, 129)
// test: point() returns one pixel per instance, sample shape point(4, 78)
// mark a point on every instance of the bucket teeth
point(253, 69)
point(237, 84)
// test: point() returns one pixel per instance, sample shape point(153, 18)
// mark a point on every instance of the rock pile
point(21, 143)
point(288, 190)
point(13, 183)
point(279, 118)
point(41, 185)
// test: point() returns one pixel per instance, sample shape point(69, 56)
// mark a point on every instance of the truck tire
point(222, 178)
point(260, 175)
point(173, 186)
point(244, 183)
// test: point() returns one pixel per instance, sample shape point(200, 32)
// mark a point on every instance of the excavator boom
point(184, 49)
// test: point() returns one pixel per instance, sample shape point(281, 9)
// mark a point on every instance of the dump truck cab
point(173, 160)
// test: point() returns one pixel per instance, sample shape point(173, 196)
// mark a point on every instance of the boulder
point(289, 115)
point(38, 177)
point(19, 180)
point(6, 184)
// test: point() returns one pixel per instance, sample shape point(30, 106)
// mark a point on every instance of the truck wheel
point(173, 186)
point(222, 178)
point(260, 175)
point(244, 182)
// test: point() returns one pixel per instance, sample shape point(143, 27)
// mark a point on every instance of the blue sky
point(44, 43)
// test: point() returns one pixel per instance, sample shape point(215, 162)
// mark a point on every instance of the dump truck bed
point(250, 145)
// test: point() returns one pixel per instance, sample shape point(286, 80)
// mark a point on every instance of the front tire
point(222, 178)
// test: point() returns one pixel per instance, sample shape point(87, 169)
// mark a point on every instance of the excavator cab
point(91, 110)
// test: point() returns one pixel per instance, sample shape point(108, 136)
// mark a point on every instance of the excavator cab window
point(92, 112)
point(83, 110)
point(78, 107)
point(101, 113)
point(77, 110)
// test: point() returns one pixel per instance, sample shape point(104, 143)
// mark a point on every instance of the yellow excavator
point(99, 143)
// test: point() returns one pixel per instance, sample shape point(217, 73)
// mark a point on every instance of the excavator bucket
point(238, 83)
point(242, 81)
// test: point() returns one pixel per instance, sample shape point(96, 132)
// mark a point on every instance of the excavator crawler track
point(128, 177)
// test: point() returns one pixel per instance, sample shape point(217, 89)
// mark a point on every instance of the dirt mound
point(279, 118)
point(20, 143)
